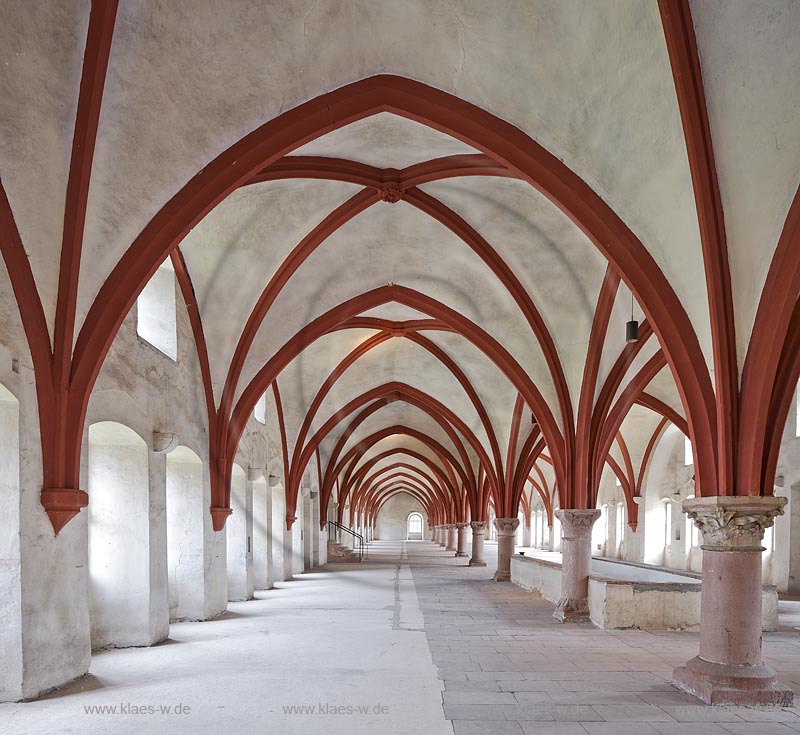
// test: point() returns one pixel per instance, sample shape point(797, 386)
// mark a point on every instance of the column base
point(474, 563)
point(450, 548)
point(502, 576)
point(461, 553)
point(749, 686)
point(572, 611)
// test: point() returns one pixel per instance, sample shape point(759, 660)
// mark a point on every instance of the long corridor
point(411, 641)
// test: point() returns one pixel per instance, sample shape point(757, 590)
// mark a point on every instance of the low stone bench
point(623, 595)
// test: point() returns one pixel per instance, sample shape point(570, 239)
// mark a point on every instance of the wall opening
point(260, 410)
point(119, 536)
point(278, 501)
point(156, 317)
point(262, 547)
point(11, 629)
point(185, 534)
point(414, 524)
point(239, 532)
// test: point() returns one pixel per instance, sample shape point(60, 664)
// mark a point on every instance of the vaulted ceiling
point(419, 297)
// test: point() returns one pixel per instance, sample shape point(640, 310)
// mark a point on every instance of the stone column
point(576, 564)
point(730, 669)
point(478, 533)
point(451, 537)
point(506, 532)
point(462, 539)
point(442, 535)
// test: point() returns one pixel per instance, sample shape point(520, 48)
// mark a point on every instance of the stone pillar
point(462, 539)
point(442, 537)
point(451, 537)
point(576, 563)
point(506, 532)
point(730, 669)
point(478, 535)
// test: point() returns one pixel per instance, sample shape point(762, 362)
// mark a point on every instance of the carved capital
point(733, 522)
point(479, 526)
point(506, 526)
point(577, 524)
point(459, 526)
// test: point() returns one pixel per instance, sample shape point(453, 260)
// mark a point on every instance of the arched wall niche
point(127, 559)
point(187, 507)
point(10, 590)
point(239, 537)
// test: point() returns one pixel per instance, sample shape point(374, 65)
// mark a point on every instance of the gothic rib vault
point(419, 247)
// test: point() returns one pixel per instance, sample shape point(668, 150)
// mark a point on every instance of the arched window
point(688, 454)
point(260, 411)
point(414, 527)
point(155, 312)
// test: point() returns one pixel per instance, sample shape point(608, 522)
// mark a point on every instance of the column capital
point(577, 523)
point(459, 526)
point(733, 522)
point(506, 526)
point(478, 525)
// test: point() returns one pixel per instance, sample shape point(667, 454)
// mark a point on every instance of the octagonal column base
point(572, 610)
point(726, 684)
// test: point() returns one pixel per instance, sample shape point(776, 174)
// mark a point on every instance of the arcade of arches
point(281, 280)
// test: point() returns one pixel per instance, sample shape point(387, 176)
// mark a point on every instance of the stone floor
point(288, 663)
point(509, 667)
point(373, 636)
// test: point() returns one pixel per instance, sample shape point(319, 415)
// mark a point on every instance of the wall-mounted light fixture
point(632, 327)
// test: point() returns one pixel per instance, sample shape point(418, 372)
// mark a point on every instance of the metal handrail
point(334, 527)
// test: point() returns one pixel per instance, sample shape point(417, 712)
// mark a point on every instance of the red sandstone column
point(440, 536)
point(506, 531)
point(730, 669)
point(576, 564)
point(462, 539)
point(478, 531)
point(451, 537)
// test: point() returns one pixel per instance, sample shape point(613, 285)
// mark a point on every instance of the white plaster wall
point(308, 536)
point(185, 536)
point(239, 533)
point(127, 541)
point(393, 518)
point(296, 540)
point(262, 535)
point(10, 592)
point(278, 532)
